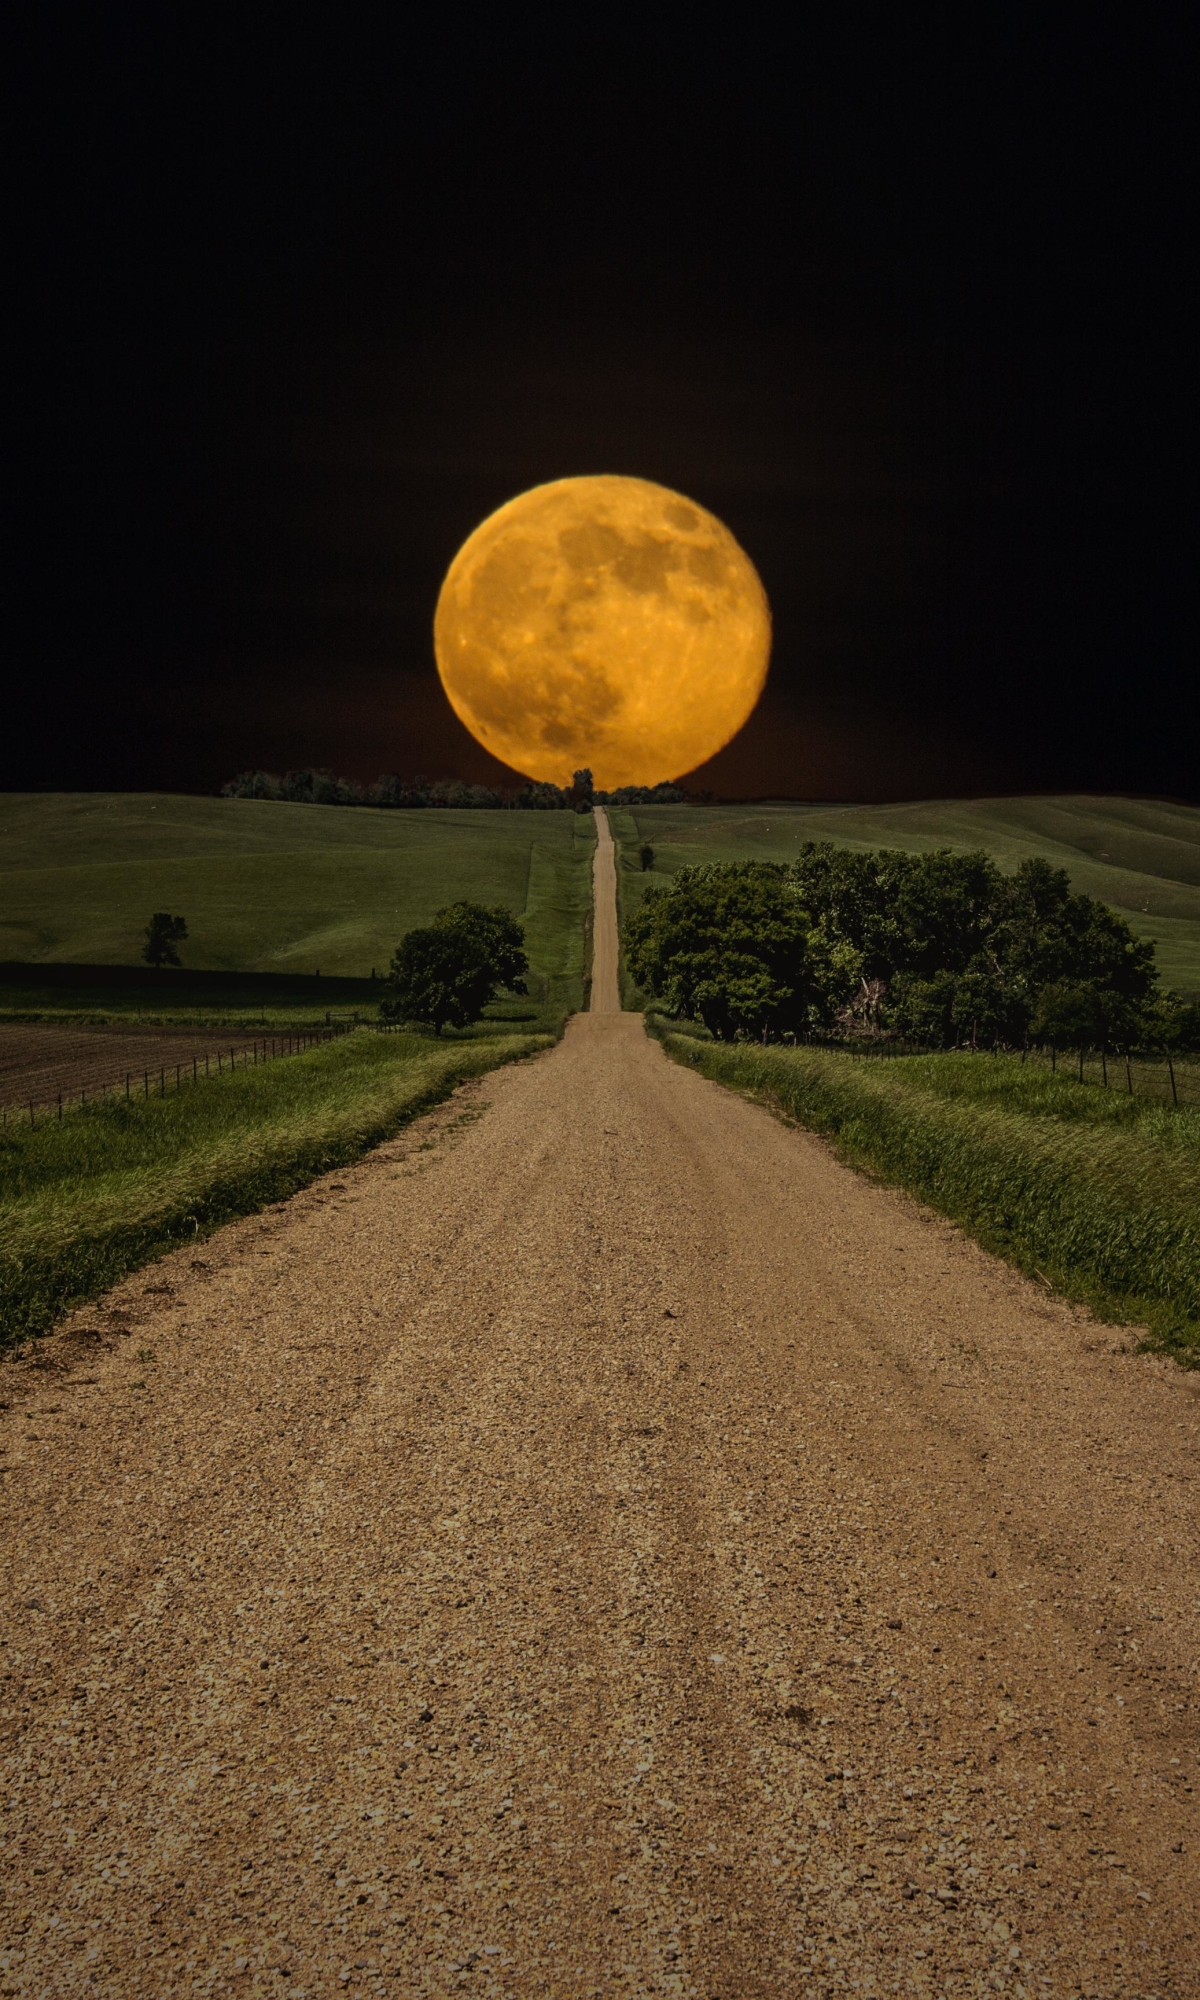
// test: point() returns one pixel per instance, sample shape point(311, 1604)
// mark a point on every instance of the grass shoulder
point(1095, 1194)
point(114, 1185)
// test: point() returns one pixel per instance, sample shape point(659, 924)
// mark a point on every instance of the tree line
point(314, 787)
point(940, 949)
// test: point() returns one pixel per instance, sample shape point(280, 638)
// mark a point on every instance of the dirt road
point(599, 1545)
point(605, 995)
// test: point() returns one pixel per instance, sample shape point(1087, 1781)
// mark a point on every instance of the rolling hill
point(267, 887)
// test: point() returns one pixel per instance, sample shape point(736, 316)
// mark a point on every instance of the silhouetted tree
point(162, 934)
point(646, 856)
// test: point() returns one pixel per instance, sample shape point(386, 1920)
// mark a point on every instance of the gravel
point(598, 1544)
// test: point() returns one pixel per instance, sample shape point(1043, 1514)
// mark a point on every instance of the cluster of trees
point(939, 949)
point(311, 787)
point(446, 972)
point(643, 795)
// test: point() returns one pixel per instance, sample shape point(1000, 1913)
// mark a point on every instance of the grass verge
point(114, 1185)
point(1094, 1193)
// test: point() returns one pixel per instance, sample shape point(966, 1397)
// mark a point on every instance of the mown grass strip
point(114, 1185)
point(1098, 1195)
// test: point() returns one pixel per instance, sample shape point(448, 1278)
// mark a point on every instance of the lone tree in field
point(162, 934)
point(448, 971)
point(646, 856)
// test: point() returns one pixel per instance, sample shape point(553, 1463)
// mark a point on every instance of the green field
point(267, 887)
point(1142, 856)
point(113, 1185)
point(1094, 1192)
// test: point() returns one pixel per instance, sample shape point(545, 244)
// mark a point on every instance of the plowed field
point(38, 1062)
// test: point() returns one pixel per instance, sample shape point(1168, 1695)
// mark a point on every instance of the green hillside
point(267, 887)
point(1140, 855)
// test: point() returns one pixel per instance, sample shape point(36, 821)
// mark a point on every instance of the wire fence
point(1168, 1079)
point(146, 1083)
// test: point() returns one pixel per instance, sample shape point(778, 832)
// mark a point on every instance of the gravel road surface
point(598, 1545)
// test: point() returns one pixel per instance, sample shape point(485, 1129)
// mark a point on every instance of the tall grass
point(115, 1184)
point(1097, 1193)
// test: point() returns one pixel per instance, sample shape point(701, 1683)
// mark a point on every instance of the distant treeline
point(324, 788)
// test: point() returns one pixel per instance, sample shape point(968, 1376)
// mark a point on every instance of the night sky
point(302, 297)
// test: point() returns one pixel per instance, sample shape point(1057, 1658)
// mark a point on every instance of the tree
point(1044, 935)
point(252, 785)
point(646, 856)
point(914, 913)
point(643, 795)
point(448, 971)
point(162, 934)
point(1084, 1014)
point(583, 791)
point(1173, 1025)
point(731, 944)
point(922, 1010)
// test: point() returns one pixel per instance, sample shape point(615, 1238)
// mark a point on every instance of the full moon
point(605, 622)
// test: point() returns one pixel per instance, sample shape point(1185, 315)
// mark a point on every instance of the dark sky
point(302, 297)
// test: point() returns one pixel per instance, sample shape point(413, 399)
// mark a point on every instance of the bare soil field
point(38, 1061)
point(598, 1545)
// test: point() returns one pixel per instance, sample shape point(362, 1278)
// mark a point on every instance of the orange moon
point(605, 622)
